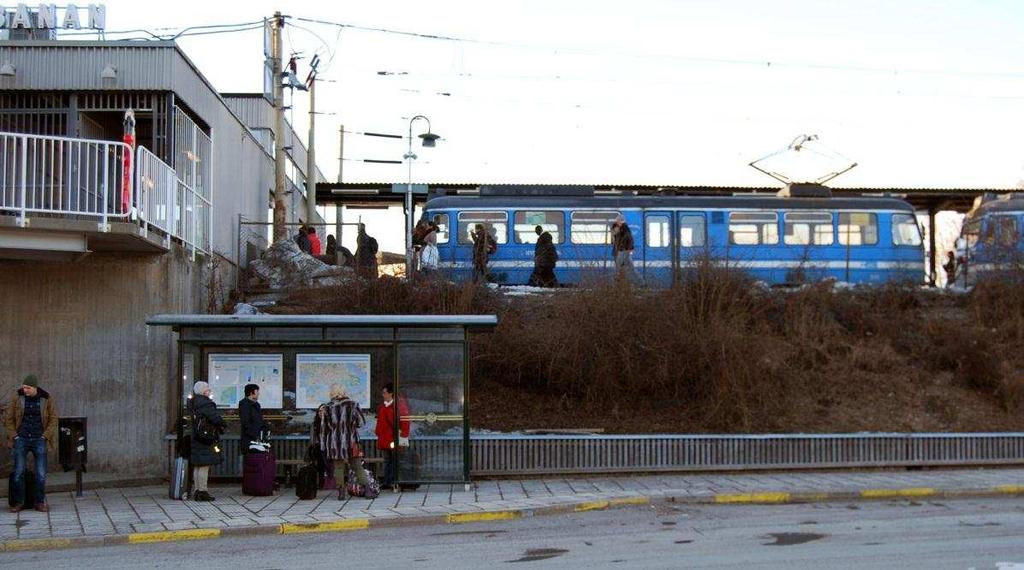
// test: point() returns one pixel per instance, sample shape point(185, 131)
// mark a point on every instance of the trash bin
point(73, 443)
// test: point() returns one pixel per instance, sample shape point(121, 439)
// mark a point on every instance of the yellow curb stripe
point(35, 544)
point(331, 526)
point(172, 535)
point(631, 501)
point(456, 518)
point(891, 493)
point(753, 498)
point(1010, 489)
point(592, 506)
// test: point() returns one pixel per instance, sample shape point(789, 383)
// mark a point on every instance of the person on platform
point(366, 254)
point(31, 423)
point(545, 257)
point(336, 432)
point(250, 418)
point(387, 443)
point(207, 426)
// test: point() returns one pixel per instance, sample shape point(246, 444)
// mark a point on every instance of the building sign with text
point(52, 17)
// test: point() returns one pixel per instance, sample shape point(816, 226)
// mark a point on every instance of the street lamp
point(429, 141)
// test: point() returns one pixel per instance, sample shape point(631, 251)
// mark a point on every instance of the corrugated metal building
point(77, 320)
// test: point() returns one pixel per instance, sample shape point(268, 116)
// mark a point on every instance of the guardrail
point(521, 455)
point(65, 176)
point(169, 204)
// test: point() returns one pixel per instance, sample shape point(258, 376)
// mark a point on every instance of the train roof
point(996, 203)
point(711, 202)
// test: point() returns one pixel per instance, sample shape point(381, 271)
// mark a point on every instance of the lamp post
point(429, 141)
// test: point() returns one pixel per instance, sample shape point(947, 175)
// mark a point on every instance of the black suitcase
point(30, 490)
point(307, 481)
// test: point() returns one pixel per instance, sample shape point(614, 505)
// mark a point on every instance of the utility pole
point(340, 206)
point(310, 152)
point(280, 209)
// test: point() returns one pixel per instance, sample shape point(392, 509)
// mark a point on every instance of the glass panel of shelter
point(431, 382)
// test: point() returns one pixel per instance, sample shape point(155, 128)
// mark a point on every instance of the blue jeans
point(22, 445)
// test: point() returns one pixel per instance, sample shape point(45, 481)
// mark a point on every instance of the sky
point(919, 93)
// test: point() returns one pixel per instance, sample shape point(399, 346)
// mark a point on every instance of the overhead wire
point(692, 59)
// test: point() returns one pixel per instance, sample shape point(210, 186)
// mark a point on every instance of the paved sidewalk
point(145, 514)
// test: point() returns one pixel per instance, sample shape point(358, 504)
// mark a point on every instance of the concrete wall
point(81, 328)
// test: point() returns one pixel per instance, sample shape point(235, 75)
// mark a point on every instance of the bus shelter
point(296, 358)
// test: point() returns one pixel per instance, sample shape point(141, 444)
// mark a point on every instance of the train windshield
point(905, 230)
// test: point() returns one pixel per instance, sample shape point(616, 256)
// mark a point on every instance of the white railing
point(66, 176)
point(169, 204)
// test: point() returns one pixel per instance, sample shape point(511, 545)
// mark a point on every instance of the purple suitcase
point(258, 471)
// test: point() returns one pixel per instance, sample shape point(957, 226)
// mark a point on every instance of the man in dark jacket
point(622, 248)
point(250, 416)
point(545, 256)
point(366, 254)
point(31, 423)
point(484, 245)
point(207, 425)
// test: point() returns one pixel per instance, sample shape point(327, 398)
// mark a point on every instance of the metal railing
point(170, 205)
point(66, 176)
point(520, 455)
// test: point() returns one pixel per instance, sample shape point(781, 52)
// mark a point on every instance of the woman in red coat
point(385, 431)
point(314, 242)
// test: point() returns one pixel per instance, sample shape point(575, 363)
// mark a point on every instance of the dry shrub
point(998, 303)
point(392, 296)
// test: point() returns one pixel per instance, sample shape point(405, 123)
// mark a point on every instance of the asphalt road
point(980, 534)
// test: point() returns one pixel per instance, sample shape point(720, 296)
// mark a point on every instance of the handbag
point(205, 432)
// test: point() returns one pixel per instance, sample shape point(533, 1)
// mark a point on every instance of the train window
point(808, 228)
point(753, 228)
point(691, 230)
point(858, 228)
point(905, 230)
point(1008, 234)
point(590, 228)
point(495, 222)
point(551, 222)
point(442, 223)
point(659, 231)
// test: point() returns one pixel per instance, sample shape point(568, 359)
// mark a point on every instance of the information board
point(229, 373)
point(314, 374)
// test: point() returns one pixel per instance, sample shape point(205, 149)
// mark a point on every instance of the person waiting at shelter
point(385, 430)
point(622, 248)
point(207, 425)
point(545, 257)
point(250, 418)
point(31, 423)
point(484, 245)
point(366, 254)
point(315, 247)
point(336, 432)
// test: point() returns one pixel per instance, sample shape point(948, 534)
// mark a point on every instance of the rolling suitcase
point(179, 478)
point(258, 469)
point(30, 490)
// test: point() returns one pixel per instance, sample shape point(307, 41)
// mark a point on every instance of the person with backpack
point(545, 257)
point(366, 254)
point(207, 425)
point(385, 430)
point(31, 423)
point(484, 246)
point(336, 432)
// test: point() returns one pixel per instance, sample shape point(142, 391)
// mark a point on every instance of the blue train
point(990, 238)
point(776, 239)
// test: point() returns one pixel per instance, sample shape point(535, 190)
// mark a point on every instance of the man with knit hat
point(31, 423)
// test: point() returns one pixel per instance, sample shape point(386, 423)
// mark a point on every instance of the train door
point(691, 241)
point(660, 260)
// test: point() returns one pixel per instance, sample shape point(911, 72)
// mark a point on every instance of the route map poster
point(314, 374)
point(229, 373)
